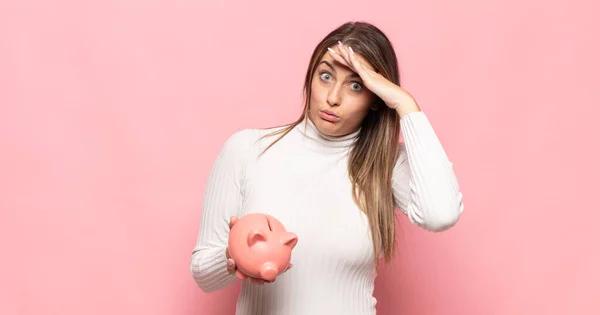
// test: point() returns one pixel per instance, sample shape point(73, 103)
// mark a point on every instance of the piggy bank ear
point(256, 236)
point(289, 239)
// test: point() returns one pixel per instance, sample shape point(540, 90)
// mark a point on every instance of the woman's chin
point(328, 128)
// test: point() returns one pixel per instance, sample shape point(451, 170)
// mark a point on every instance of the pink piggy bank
point(260, 246)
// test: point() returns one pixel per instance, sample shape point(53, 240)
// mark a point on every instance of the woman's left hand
point(393, 95)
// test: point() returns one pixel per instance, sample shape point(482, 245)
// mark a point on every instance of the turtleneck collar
point(318, 138)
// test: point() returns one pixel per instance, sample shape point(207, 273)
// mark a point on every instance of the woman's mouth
point(329, 116)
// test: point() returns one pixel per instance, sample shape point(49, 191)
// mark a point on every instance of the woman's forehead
point(327, 57)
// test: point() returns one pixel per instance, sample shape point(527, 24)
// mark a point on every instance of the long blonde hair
point(374, 154)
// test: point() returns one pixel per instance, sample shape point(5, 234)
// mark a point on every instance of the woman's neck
point(310, 130)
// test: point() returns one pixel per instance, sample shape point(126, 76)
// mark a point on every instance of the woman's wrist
point(407, 107)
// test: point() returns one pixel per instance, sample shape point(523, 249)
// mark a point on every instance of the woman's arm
point(424, 184)
point(222, 199)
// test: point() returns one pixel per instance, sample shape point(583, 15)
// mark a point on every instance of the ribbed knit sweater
point(303, 181)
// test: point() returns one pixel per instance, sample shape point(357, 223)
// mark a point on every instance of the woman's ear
point(376, 104)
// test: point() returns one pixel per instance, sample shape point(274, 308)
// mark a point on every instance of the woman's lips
point(329, 116)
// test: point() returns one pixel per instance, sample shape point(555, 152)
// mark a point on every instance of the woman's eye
point(325, 76)
point(356, 86)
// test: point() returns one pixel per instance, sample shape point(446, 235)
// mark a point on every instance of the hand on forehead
point(336, 48)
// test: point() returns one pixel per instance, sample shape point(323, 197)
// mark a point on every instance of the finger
point(348, 53)
point(358, 66)
point(231, 266)
point(337, 57)
point(232, 221)
point(289, 267)
point(257, 281)
point(345, 53)
point(369, 71)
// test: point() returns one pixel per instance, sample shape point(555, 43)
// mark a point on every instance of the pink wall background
point(112, 112)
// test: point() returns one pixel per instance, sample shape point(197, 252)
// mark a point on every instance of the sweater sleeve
point(424, 184)
point(222, 199)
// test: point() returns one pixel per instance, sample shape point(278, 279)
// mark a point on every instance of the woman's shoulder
point(249, 139)
point(248, 136)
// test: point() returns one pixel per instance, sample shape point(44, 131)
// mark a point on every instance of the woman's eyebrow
point(353, 75)
point(329, 64)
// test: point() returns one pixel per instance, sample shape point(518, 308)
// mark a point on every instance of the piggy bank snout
point(269, 271)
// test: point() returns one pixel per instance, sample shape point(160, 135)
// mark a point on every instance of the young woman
point(334, 177)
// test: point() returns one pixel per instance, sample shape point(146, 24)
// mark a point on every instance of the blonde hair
point(374, 154)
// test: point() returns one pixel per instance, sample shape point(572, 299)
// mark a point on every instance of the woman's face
point(339, 101)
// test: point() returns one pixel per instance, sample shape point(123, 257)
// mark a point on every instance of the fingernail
point(331, 50)
point(340, 43)
point(351, 51)
point(229, 262)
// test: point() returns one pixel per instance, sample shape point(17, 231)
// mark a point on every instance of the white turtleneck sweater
point(303, 181)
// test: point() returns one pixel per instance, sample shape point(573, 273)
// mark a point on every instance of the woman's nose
point(334, 97)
